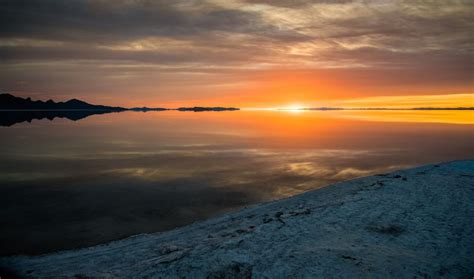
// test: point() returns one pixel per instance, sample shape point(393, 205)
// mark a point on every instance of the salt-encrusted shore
point(411, 223)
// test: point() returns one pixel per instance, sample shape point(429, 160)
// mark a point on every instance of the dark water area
point(67, 184)
point(10, 118)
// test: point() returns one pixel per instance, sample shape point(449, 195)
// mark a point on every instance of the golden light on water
point(412, 116)
point(401, 116)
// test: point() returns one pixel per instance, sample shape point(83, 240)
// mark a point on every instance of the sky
point(246, 53)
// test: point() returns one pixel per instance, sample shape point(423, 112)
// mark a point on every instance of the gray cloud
point(294, 3)
point(106, 21)
point(85, 25)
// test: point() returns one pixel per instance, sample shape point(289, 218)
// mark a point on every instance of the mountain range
point(10, 102)
point(15, 110)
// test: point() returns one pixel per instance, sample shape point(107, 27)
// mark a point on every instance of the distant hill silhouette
point(10, 102)
point(145, 109)
point(198, 109)
point(16, 109)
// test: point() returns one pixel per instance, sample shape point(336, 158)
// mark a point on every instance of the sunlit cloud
point(447, 101)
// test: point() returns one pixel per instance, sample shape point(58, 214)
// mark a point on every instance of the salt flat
point(410, 223)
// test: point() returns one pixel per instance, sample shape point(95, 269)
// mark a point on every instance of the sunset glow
point(245, 53)
point(294, 107)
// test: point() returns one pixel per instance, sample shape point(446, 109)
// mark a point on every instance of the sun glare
point(293, 108)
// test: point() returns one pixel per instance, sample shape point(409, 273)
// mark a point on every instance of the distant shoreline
point(421, 108)
point(15, 110)
point(9, 102)
point(128, 109)
point(236, 109)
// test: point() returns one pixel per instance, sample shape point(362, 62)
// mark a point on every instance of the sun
point(293, 107)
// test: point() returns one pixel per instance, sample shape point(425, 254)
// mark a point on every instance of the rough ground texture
point(411, 223)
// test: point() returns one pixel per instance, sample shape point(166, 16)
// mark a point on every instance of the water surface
point(67, 184)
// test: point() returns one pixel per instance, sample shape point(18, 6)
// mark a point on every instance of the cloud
point(223, 35)
point(106, 21)
point(85, 28)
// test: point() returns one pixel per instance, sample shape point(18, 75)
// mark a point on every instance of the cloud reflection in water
point(71, 184)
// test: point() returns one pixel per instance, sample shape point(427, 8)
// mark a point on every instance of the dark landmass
point(16, 109)
point(199, 109)
point(145, 109)
point(10, 102)
point(195, 109)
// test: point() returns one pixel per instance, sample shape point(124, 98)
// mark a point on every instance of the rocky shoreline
point(410, 223)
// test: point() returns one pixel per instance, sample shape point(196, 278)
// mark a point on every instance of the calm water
point(66, 184)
